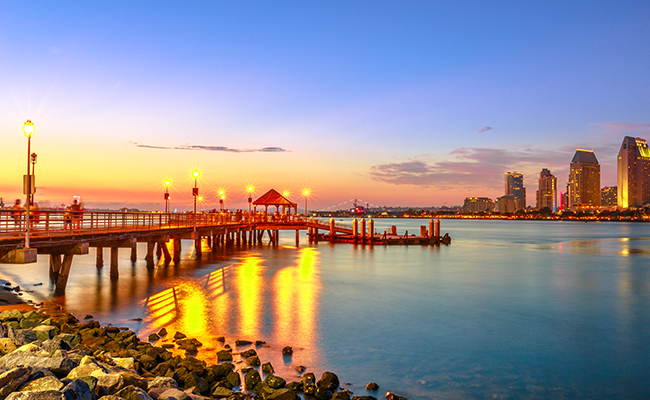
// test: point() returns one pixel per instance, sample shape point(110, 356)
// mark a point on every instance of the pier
point(61, 236)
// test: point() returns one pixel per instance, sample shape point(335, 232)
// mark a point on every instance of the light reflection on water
point(511, 309)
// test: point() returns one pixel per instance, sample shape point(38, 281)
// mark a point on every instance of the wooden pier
point(55, 234)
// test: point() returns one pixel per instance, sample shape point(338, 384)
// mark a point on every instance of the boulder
point(253, 361)
point(221, 392)
point(22, 336)
point(58, 365)
point(125, 362)
point(12, 380)
point(224, 355)
point(3, 330)
point(133, 393)
point(185, 343)
point(372, 386)
point(78, 390)
point(44, 332)
point(173, 394)
point(363, 398)
point(162, 332)
point(27, 323)
point(242, 342)
point(283, 394)
point(267, 368)
point(295, 386)
point(153, 337)
point(41, 395)
point(329, 381)
point(110, 397)
point(322, 393)
point(179, 335)
point(33, 315)
point(263, 390)
point(287, 351)
point(248, 353)
point(251, 379)
point(108, 384)
point(7, 345)
point(233, 379)
point(41, 384)
point(11, 315)
point(275, 382)
point(50, 346)
point(162, 382)
point(341, 396)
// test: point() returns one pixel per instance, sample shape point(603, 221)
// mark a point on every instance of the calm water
point(512, 309)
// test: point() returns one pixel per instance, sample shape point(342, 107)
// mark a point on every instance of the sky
point(410, 103)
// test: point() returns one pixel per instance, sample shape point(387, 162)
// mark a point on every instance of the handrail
point(45, 223)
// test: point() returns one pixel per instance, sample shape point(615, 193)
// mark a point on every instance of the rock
point(147, 362)
point(44, 332)
point(329, 381)
point(133, 379)
point(267, 368)
point(153, 337)
point(233, 379)
point(372, 386)
point(221, 392)
point(221, 339)
point(308, 386)
point(88, 316)
point(133, 393)
point(341, 396)
point(191, 349)
point(243, 342)
point(28, 323)
point(322, 393)
point(41, 384)
point(287, 351)
point(283, 394)
point(125, 362)
point(259, 343)
point(251, 379)
point(58, 365)
point(7, 345)
point(3, 330)
point(162, 332)
point(110, 397)
point(173, 394)
point(248, 353)
point(363, 398)
point(91, 381)
point(253, 361)
point(179, 335)
point(393, 396)
point(300, 368)
point(22, 336)
point(11, 315)
point(295, 386)
point(162, 382)
point(108, 384)
point(275, 382)
point(51, 346)
point(193, 380)
point(222, 355)
point(78, 390)
point(12, 380)
point(184, 343)
point(42, 395)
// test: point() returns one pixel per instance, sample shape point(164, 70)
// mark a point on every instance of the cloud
point(470, 167)
point(211, 148)
point(620, 127)
point(485, 129)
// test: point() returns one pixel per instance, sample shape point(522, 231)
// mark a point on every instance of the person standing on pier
point(77, 214)
point(16, 213)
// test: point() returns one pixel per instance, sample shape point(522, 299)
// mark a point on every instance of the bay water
point(511, 309)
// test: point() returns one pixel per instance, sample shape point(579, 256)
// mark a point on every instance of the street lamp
point(195, 193)
point(250, 198)
point(28, 130)
point(167, 182)
point(200, 199)
point(306, 194)
point(222, 197)
point(33, 158)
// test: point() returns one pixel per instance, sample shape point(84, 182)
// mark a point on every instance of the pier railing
point(64, 223)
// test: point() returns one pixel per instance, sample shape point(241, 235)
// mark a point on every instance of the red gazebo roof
point(273, 198)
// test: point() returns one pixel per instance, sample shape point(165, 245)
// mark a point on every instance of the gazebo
point(273, 198)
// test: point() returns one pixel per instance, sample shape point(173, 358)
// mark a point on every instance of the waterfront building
point(633, 175)
point(515, 187)
point(609, 196)
point(507, 204)
point(547, 192)
point(584, 181)
point(474, 205)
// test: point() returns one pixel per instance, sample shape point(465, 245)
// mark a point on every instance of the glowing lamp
point(250, 188)
point(195, 174)
point(306, 192)
point(28, 129)
point(286, 194)
point(167, 182)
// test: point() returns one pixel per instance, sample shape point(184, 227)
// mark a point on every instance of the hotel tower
point(633, 173)
point(584, 180)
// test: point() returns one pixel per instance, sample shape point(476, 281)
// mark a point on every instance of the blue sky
point(418, 103)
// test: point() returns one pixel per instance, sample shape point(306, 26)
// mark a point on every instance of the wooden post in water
point(432, 234)
point(158, 250)
point(355, 230)
point(62, 279)
point(332, 230)
point(197, 246)
point(238, 238)
point(316, 235)
point(150, 251)
point(168, 258)
point(277, 237)
point(99, 259)
point(297, 238)
point(371, 230)
point(55, 267)
point(437, 228)
point(363, 230)
point(177, 250)
point(134, 250)
point(114, 271)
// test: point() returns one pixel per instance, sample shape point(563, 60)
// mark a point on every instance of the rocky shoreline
point(59, 358)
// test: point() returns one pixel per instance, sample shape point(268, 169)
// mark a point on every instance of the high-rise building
point(633, 173)
point(515, 187)
point(608, 196)
point(507, 204)
point(584, 180)
point(475, 205)
point(547, 192)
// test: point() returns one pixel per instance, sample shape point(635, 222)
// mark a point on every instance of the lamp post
point(250, 199)
point(195, 193)
point(167, 183)
point(306, 193)
point(28, 130)
point(33, 158)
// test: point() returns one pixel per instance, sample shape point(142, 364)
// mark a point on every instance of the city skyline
point(419, 105)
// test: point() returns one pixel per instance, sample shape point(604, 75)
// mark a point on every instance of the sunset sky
point(394, 102)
